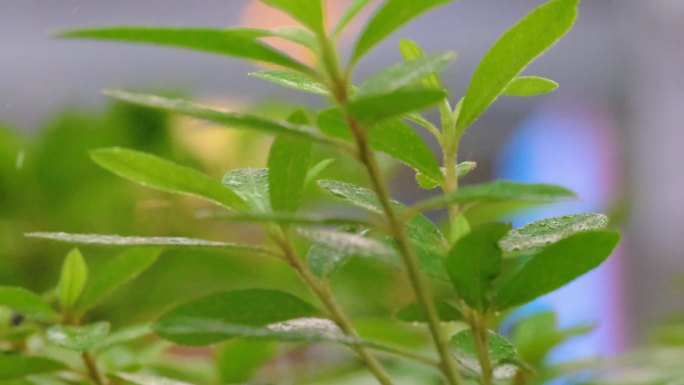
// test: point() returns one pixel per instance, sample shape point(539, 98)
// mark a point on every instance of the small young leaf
point(72, 279)
point(501, 353)
point(307, 12)
point(292, 80)
point(556, 266)
point(16, 366)
point(349, 14)
point(410, 50)
point(517, 48)
point(462, 169)
point(316, 170)
point(405, 74)
point(78, 338)
point(241, 43)
point(536, 235)
point(413, 312)
point(392, 15)
point(246, 308)
point(394, 138)
point(250, 184)
point(474, 262)
point(371, 109)
point(149, 170)
point(146, 379)
point(529, 86)
point(26, 303)
point(288, 163)
point(115, 274)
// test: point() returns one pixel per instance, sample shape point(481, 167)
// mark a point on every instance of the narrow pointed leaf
point(296, 35)
point(246, 308)
point(26, 303)
point(16, 366)
point(149, 170)
point(72, 279)
point(240, 43)
point(371, 109)
point(316, 170)
point(307, 12)
point(556, 266)
point(410, 50)
point(292, 80)
point(349, 14)
point(123, 269)
point(288, 219)
point(123, 336)
point(392, 15)
point(78, 338)
point(509, 56)
point(501, 353)
point(250, 184)
point(529, 86)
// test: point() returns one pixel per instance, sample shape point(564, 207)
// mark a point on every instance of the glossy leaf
point(536, 235)
point(349, 14)
point(242, 308)
point(294, 80)
point(250, 184)
point(556, 266)
point(288, 164)
point(77, 338)
point(371, 109)
point(149, 170)
point(501, 353)
point(123, 269)
point(241, 43)
point(392, 15)
point(394, 138)
point(509, 56)
point(474, 262)
point(307, 12)
point(404, 74)
point(16, 366)
point(413, 312)
point(26, 303)
point(72, 279)
point(529, 86)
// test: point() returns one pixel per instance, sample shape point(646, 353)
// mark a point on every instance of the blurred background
point(613, 131)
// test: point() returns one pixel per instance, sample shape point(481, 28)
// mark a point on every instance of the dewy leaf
point(26, 303)
point(146, 379)
point(529, 86)
point(307, 12)
point(292, 80)
point(349, 14)
point(72, 279)
point(533, 236)
point(517, 48)
point(474, 262)
point(250, 184)
point(394, 138)
point(117, 240)
point(405, 74)
point(288, 164)
point(392, 15)
point(556, 266)
point(241, 43)
point(501, 353)
point(149, 170)
point(371, 109)
point(123, 269)
point(413, 312)
point(78, 338)
point(324, 258)
point(16, 366)
point(221, 117)
point(248, 308)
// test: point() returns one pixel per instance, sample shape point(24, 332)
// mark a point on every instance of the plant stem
point(479, 325)
point(93, 371)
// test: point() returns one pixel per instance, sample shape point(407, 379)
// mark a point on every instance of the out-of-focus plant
point(463, 276)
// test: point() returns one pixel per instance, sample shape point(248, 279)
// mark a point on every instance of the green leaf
point(460, 227)
point(288, 219)
point(405, 74)
point(221, 117)
point(238, 360)
point(348, 15)
point(15, 366)
point(307, 12)
point(146, 379)
point(474, 262)
point(413, 312)
point(241, 43)
point(72, 279)
point(292, 80)
point(410, 50)
point(501, 353)
point(250, 184)
point(123, 336)
point(394, 138)
point(316, 170)
point(123, 269)
point(529, 86)
point(371, 109)
point(288, 164)
point(296, 35)
point(462, 169)
point(26, 303)
point(556, 266)
point(509, 56)
point(149, 170)
point(78, 338)
point(247, 308)
point(117, 240)
point(536, 235)
point(392, 15)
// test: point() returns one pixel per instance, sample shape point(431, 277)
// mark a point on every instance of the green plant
point(462, 276)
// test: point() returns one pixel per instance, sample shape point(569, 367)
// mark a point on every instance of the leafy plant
point(478, 272)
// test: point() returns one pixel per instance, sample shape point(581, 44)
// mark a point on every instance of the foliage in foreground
point(463, 279)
